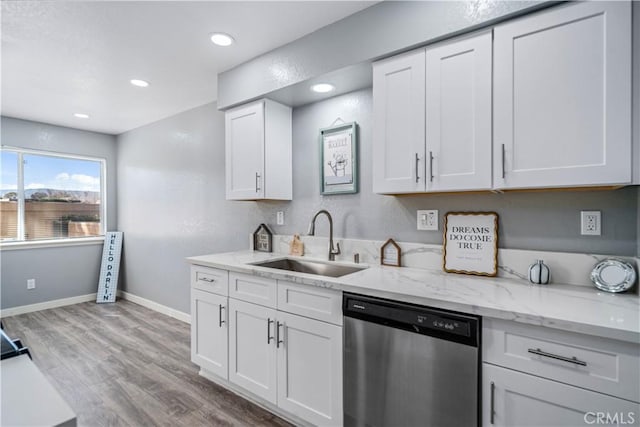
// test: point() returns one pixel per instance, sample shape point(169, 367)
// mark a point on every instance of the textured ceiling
point(63, 57)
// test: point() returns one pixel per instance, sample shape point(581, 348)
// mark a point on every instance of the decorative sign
point(110, 268)
point(471, 243)
point(262, 239)
point(390, 253)
point(338, 159)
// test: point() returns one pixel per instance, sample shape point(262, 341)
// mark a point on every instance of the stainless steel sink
point(311, 267)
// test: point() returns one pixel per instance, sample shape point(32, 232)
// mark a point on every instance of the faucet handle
point(336, 251)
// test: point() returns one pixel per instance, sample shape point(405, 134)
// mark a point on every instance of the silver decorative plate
point(613, 275)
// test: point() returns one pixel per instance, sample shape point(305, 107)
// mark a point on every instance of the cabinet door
point(244, 152)
point(398, 124)
point(252, 348)
point(310, 369)
point(562, 97)
point(209, 340)
point(458, 115)
point(518, 399)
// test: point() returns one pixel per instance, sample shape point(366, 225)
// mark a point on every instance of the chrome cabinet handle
point(257, 182)
point(206, 279)
point(417, 161)
point(220, 318)
point(278, 340)
point(573, 360)
point(431, 166)
point(493, 392)
point(503, 156)
point(269, 337)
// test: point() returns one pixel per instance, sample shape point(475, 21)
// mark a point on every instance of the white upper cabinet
point(258, 151)
point(432, 118)
point(458, 115)
point(398, 124)
point(562, 97)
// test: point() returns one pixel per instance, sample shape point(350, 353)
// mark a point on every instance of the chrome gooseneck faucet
point(312, 231)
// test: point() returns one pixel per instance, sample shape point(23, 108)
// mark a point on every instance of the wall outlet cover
point(31, 283)
point(280, 218)
point(590, 223)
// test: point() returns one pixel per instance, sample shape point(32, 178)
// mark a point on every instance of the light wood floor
point(124, 365)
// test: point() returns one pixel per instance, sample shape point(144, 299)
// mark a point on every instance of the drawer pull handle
point(431, 166)
point(220, 318)
point(573, 360)
point(417, 161)
point(206, 279)
point(269, 337)
point(503, 156)
point(278, 340)
point(493, 392)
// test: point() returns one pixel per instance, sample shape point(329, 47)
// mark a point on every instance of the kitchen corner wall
point(60, 272)
point(171, 201)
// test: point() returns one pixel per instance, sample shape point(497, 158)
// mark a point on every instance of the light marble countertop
point(568, 307)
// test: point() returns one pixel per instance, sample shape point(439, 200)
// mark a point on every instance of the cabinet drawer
point(210, 279)
point(600, 364)
point(309, 301)
point(517, 399)
point(257, 290)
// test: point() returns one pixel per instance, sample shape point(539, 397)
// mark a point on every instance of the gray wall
point(369, 34)
point(171, 201)
point(60, 272)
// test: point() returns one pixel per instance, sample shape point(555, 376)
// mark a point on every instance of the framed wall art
point(471, 243)
point(339, 159)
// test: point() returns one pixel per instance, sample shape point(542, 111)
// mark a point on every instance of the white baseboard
point(184, 317)
point(13, 311)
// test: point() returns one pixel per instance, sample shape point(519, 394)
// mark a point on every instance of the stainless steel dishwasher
point(409, 365)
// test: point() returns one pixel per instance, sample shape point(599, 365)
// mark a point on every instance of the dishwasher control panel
point(454, 326)
point(414, 318)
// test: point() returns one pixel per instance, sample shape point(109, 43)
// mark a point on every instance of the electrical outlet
point(31, 283)
point(280, 218)
point(427, 220)
point(590, 223)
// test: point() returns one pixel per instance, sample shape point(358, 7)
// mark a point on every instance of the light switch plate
point(427, 220)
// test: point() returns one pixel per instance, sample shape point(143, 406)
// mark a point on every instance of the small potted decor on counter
point(539, 273)
point(263, 239)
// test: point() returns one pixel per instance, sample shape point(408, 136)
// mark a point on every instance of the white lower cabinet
point(512, 398)
point(209, 332)
point(538, 376)
point(291, 361)
point(310, 369)
point(252, 349)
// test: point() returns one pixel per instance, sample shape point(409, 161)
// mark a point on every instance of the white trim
point(53, 243)
point(14, 311)
point(152, 305)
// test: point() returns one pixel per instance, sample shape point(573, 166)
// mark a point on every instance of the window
point(46, 196)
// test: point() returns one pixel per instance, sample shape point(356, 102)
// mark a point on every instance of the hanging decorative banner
point(471, 243)
point(108, 282)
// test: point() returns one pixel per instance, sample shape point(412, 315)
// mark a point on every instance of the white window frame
point(20, 242)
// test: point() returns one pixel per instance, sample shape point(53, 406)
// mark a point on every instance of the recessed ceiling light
point(322, 87)
point(221, 39)
point(81, 115)
point(139, 83)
